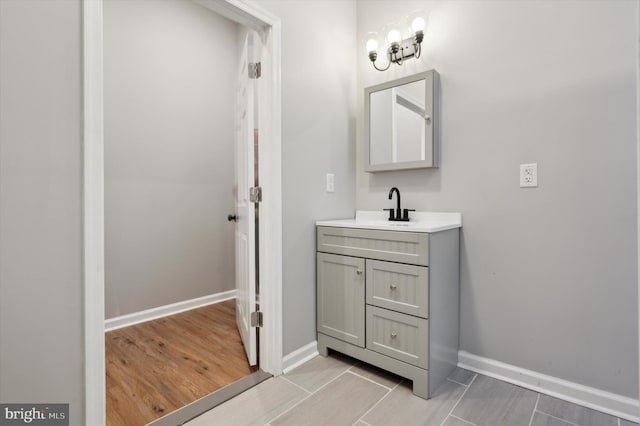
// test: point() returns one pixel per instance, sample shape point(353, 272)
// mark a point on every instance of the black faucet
point(400, 215)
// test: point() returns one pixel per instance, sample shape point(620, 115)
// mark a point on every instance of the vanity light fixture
point(398, 48)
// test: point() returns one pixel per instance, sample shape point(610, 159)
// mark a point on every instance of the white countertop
point(418, 221)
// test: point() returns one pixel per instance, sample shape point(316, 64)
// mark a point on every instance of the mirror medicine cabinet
point(401, 123)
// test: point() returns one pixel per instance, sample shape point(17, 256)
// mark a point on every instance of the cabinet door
point(340, 297)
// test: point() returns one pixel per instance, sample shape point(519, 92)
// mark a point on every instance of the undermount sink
point(418, 221)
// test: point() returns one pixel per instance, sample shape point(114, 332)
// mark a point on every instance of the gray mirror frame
point(432, 130)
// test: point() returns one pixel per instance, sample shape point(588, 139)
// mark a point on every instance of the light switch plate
point(331, 180)
point(529, 175)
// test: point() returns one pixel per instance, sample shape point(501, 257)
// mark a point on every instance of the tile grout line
point(296, 385)
point(330, 381)
point(289, 409)
point(462, 420)
point(460, 399)
point(368, 379)
point(378, 402)
point(535, 407)
point(308, 396)
point(558, 418)
point(459, 383)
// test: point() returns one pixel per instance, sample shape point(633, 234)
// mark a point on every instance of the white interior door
point(244, 208)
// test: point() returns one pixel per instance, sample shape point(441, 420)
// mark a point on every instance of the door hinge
point(255, 194)
point(255, 70)
point(257, 319)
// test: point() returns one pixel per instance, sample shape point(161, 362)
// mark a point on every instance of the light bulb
point(418, 24)
point(417, 20)
point(372, 44)
point(394, 36)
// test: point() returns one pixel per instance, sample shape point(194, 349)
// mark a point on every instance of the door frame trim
point(270, 245)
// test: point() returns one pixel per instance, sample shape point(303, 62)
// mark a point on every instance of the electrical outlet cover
point(529, 175)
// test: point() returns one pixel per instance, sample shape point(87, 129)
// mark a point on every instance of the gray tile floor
point(338, 390)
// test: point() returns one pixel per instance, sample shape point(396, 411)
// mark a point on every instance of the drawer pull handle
point(358, 271)
point(394, 334)
point(393, 287)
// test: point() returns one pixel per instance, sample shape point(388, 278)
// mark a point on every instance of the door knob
point(232, 218)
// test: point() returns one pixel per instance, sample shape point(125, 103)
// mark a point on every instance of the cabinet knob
point(358, 271)
point(393, 287)
point(394, 334)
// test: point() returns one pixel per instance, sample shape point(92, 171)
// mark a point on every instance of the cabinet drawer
point(400, 336)
point(402, 288)
point(394, 246)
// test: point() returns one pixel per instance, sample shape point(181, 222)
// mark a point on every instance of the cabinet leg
point(323, 350)
point(421, 386)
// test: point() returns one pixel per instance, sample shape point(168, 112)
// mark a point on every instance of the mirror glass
point(400, 124)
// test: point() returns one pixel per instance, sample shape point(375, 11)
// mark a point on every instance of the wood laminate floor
point(158, 366)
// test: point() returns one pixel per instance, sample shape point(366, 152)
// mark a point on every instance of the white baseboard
point(299, 356)
point(607, 402)
point(166, 310)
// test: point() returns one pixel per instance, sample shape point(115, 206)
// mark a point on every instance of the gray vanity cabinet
point(390, 298)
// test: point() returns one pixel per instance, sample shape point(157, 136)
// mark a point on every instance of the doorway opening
point(268, 269)
point(166, 236)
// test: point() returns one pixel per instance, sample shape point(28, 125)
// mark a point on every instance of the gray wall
point(548, 275)
point(40, 204)
point(567, 309)
point(169, 168)
point(318, 118)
